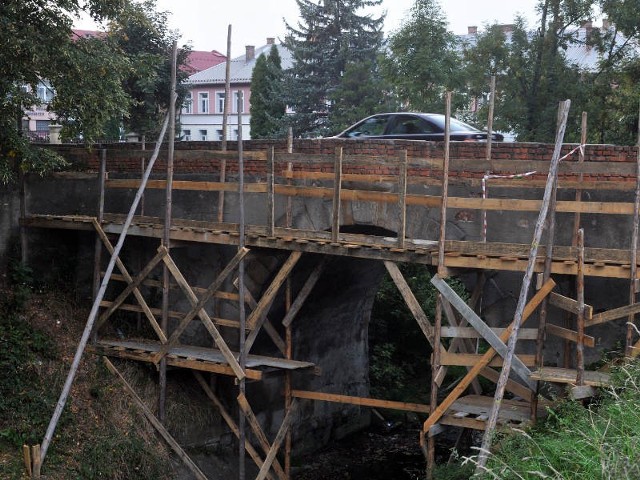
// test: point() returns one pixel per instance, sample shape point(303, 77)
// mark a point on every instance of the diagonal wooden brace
point(268, 326)
point(259, 433)
point(482, 328)
point(486, 358)
point(198, 310)
point(413, 304)
point(257, 317)
point(136, 292)
point(277, 442)
point(230, 422)
point(304, 293)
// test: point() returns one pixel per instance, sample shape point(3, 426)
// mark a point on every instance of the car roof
point(436, 118)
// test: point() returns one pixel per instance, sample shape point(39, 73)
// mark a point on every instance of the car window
point(409, 125)
point(369, 127)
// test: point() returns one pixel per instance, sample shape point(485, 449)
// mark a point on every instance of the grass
point(99, 434)
point(599, 441)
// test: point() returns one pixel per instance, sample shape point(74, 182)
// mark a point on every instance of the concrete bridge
point(323, 222)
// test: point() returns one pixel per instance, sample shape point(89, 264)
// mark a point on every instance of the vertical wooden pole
point(225, 126)
point(580, 299)
point(492, 103)
point(271, 192)
point(524, 291)
point(24, 244)
point(402, 199)
point(288, 398)
point(435, 358)
point(634, 253)
point(97, 253)
point(241, 292)
point(166, 240)
point(337, 189)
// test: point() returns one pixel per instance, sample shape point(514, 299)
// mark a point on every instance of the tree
point(141, 35)
point(37, 43)
point(330, 35)
point(267, 101)
point(423, 61)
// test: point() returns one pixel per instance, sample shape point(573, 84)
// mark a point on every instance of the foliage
point(422, 61)
point(329, 36)
point(267, 96)
point(141, 35)
point(399, 352)
point(601, 440)
point(362, 92)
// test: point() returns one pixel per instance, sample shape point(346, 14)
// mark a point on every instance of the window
point(369, 127)
point(235, 134)
point(219, 134)
point(237, 94)
point(219, 102)
point(203, 135)
point(186, 134)
point(188, 103)
point(45, 93)
point(203, 102)
point(42, 125)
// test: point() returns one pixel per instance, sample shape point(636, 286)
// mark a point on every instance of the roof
point(201, 60)
point(241, 69)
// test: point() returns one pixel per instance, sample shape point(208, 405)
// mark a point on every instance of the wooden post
point(225, 126)
point(289, 213)
point(580, 299)
point(634, 253)
point(435, 359)
point(26, 454)
point(166, 234)
point(492, 103)
point(337, 189)
point(241, 291)
point(97, 255)
point(37, 456)
point(524, 291)
point(402, 199)
point(96, 303)
point(288, 441)
point(270, 192)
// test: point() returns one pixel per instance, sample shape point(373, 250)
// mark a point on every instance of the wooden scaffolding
point(454, 333)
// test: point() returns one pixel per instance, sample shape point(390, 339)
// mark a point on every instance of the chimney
point(508, 28)
point(271, 40)
point(472, 30)
point(251, 53)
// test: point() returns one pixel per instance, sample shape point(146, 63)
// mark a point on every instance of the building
point(202, 113)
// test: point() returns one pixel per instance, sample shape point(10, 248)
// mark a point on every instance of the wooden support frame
point(337, 195)
point(277, 442)
point(362, 401)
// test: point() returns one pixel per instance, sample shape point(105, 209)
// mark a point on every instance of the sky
point(205, 22)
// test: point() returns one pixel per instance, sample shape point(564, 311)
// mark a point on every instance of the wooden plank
point(259, 433)
point(412, 303)
point(569, 305)
point(270, 193)
point(189, 185)
point(470, 359)
point(470, 332)
point(337, 189)
point(365, 402)
point(258, 315)
point(570, 335)
point(510, 410)
point(229, 420)
point(156, 423)
point(512, 386)
point(304, 293)
point(564, 375)
point(463, 422)
point(198, 309)
point(613, 314)
point(519, 367)
point(277, 442)
point(485, 360)
point(402, 199)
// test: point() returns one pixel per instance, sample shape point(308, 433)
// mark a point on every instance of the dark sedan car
point(415, 126)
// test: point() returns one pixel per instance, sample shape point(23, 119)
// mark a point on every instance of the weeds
point(600, 441)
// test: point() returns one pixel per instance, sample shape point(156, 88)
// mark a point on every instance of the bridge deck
point(599, 262)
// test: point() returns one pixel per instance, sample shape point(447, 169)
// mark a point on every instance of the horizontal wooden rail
point(365, 402)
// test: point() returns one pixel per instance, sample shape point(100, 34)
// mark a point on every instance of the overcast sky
point(205, 22)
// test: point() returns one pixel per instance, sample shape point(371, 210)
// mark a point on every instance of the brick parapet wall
point(88, 159)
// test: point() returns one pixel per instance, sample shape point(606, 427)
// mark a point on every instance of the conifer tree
point(329, 35)
point(267, 104)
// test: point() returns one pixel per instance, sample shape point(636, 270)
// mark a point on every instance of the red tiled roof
point(201, 60)
point(87, 33)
